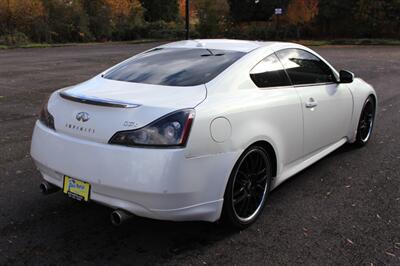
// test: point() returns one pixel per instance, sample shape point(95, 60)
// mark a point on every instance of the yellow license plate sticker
point(76, 189)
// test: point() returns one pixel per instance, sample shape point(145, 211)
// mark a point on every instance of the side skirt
point(295, 167)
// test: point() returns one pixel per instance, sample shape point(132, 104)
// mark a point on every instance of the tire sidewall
point(228, 213)
point(359, 140)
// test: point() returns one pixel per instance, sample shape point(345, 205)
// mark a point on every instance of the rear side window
point(304, 67)
point(269, 73)
point(175, 66)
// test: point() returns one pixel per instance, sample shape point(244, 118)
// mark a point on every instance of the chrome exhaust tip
point(118, 217)
point(48, 188)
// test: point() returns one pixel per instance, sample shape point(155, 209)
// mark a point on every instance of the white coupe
point(198, 129)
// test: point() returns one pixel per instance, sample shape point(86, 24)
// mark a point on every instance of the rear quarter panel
point(272, 115)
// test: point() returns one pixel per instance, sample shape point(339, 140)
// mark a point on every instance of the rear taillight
point(46, 118)
point(168, 131)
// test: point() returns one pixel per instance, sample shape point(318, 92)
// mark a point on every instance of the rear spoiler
point(97, 101)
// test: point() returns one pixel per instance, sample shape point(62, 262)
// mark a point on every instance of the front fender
point(360, 90)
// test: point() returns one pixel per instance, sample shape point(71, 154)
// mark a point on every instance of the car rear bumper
point(155, 183)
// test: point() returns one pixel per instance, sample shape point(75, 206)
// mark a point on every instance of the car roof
point(221, 44)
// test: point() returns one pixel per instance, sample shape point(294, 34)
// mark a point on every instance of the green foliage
point(163, 30)
point(99, 15)
point(378, 18)
point(358, 18)
point(67, 21)
point(13, 39)
point(212, 16)
point(334, 17)
point(166, 10)
point(127, 27)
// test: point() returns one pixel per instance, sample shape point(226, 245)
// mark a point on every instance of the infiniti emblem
point(82, 116)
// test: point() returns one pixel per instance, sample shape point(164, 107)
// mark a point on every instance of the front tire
point(366, 123)
point(248, 188)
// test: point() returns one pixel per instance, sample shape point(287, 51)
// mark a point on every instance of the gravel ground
point(343, 210)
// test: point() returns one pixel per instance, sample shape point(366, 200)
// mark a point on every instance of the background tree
point(378, 18)
point(301, 12)
point(67, 21)
point(160, 10)
point(249, 10)
point(53, 21)
point(18, 16)
point(126, 16)
point(336, 17)
point(99, 14)
point(212, 15)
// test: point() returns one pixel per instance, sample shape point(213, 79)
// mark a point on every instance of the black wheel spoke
point(243, 207)
point(261, 179)
point(239, 191)
point(255, 202)
point(260, 187)
point(264, 170)
point(240, 198)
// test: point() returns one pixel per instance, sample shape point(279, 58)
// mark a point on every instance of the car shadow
point(84, 233)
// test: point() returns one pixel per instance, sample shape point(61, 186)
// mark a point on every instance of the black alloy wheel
point(248, 188)
point(366, 122)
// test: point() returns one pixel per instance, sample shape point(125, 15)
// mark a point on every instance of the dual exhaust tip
point(117, 217)
point(46, 188)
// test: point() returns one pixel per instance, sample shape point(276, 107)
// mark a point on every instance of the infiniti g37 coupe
point(198, 129)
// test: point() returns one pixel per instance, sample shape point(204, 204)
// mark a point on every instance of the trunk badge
point(82, 116)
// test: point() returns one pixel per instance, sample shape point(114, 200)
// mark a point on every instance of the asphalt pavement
point(343, 210)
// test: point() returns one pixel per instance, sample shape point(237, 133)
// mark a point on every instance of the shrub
point(15, 39)
point(162, 30)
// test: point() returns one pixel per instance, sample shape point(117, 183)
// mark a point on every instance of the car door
point(281, 111)
point(326, 104)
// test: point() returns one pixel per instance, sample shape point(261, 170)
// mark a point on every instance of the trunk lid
point(97, 109)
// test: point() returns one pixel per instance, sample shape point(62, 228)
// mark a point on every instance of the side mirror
point(346, 76)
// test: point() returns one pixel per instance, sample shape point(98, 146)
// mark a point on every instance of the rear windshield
point(175, 67)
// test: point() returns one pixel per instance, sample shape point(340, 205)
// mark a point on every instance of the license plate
point(76, 189)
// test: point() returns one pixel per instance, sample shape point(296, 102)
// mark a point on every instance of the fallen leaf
point(349, 241)
point(390, 254)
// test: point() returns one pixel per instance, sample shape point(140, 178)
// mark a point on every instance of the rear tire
point(366, 123)
point(248, 188)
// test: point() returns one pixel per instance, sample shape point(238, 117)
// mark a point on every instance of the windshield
point(175, 66)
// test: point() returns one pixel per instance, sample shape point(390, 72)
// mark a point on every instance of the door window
point(304, 67)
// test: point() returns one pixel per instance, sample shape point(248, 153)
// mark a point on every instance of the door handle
point(311, 103)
